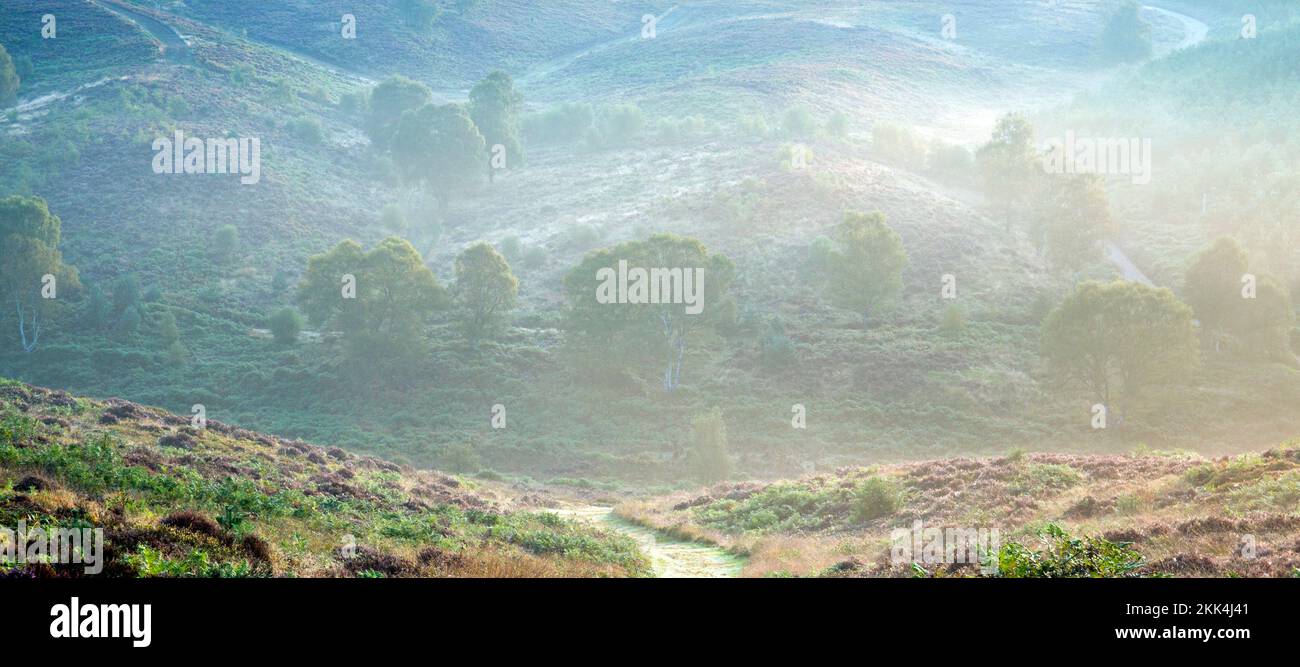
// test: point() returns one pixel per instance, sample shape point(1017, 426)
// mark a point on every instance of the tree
point(280, 281)
point(439, 148)
point(1213, 285)
point(1126, 37)
point(9, 81)
point(168, 332)
point(126, 293)
point(817, 263)
point(1115, 339)
point(224, 242)
point(1008, 161)
point(99, 310)
point(388, 101)
point(798, 123)
point(285, 325)
point(494, 106)
point(29, 256)
point(485, 288)
point(1216, 287)
point(866, 266)
point(177, 354)
point(1071, 219)
point(129, 322)
point(1265, 321)
point(379, 299)
point(652, 308)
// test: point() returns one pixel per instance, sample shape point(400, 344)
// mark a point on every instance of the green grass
point(251, 490)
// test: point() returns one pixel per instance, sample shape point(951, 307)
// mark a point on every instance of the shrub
point(950, 160)
point(876, 498)
point(307, 128)
point(535, 258)
point(193, 522)
point(776, 350)
point(285, 325)
point(898, 144)
point(954, 320)
point(461, 457)
point(224, 242)
point(1066, 556)
point(798, 123)
point(754, 126)
point(1036, 478)
point(622, 123)
point(565, 124)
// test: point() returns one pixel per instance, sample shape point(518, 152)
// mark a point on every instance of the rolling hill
point(178, 500)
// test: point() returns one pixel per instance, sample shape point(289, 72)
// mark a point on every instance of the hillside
point(1144, 514)
point(717, 104)
point(220, 501)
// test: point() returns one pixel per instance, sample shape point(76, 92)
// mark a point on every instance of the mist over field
point(507, 288)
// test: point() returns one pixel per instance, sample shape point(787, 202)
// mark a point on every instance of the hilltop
point(175, 500)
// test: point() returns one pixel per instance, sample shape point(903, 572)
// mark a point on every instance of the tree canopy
point(438, 147)
point(485, 290)
point(1114, 339)
point(1008, 162)
point(388, 101)
point(29, 251)
point(1216, 286)
point(867, 263)
point(653, 307)
point(1071, 218)
point(494, 106)
point(379, 299)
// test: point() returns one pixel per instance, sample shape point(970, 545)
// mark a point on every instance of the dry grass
point(1181, 523)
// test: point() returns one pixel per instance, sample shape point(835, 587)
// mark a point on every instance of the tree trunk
point(673, 374)
point(28, 346)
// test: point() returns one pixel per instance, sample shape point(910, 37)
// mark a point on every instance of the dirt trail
point(669, 557)
point(1194, 31)
point(174, 46)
